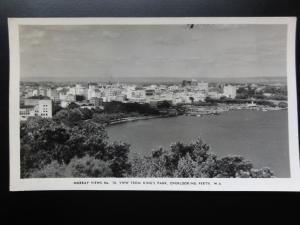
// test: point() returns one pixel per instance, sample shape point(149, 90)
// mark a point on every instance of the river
point(261, 137)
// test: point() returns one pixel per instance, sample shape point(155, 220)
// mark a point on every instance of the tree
point(45, 144)
point(87, 138)
point(69, 117)
point(191, 99)
point(282, 104)
point(61, 116)
point(117, 156)
point(53, 169)
point(185, 167)
point(88, 167)
point(100, 118)
point(42, 141)
point(230, 166)
point(78, 167)
point(86, 113)
point(194, 160)
point(165, 104)
point(75, 116)
point(73, 105)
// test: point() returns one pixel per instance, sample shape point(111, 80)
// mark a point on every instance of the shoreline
point(133, 119)
point(217, 111)
point(212, 113)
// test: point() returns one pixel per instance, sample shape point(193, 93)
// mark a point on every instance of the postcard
point(186, 104)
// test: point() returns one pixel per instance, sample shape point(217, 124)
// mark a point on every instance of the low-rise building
point(26, 111)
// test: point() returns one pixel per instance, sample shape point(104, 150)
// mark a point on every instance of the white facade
point(26, 112)
point(45, 108)
point(91, 93)
point(229, 91)
point(137, 96)
point(214, 94)
point(203, 86)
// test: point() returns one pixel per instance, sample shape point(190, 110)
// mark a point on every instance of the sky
point(152, 51)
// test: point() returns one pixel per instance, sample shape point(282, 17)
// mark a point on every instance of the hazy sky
point(153, 51)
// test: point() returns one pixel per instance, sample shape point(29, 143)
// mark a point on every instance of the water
point(261, 137)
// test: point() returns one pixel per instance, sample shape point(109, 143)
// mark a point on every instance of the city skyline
point(108, 52)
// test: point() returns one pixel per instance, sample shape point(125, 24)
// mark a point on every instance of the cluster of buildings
point(38, 100)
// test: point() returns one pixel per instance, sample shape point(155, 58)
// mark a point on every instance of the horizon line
point(166, 77)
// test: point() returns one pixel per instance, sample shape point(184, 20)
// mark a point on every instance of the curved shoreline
point(133, 119)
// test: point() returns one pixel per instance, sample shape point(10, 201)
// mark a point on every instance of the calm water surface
point(261, 137)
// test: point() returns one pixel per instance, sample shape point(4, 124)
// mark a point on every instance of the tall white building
point(229, 91)
point(45, 108)
point(91, 93)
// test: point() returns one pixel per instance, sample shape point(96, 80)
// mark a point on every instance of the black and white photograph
point(153, 104)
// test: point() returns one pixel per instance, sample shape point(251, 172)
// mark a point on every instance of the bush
point(53, 169)
point(194, 160)
point(78, 167)
point(88, 167)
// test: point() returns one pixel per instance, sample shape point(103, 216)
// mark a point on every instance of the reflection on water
point(261, 137)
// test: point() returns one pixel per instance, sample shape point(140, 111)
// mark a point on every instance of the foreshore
point(197, 111)
point(216, 110)
point(132, 119)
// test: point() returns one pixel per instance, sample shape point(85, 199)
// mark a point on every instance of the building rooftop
point(40, 97)
point(26, 106)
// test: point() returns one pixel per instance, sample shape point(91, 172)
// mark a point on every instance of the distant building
point(53, 94)
point(91, 93)
point(96, 101)
point(229, 91)
point(81, 90)
point(34, 100)
point(45, 108)
point(214, 94)
point(192, 82)
point(186, 83)
point(203, 87)
point(150, 92)
point(42, 91)
point(173, 88)
point(62, 95)
point(70, 98)
point(26, 111)
point(36, 107)
point(137, 96)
